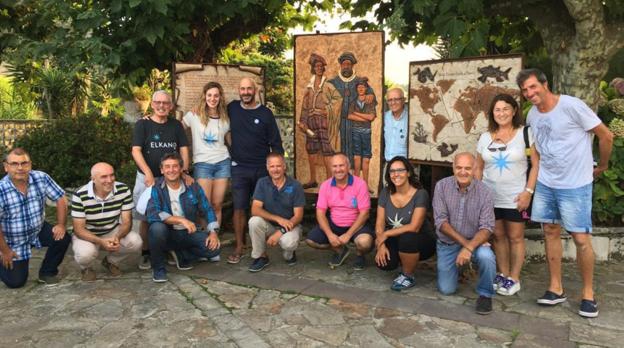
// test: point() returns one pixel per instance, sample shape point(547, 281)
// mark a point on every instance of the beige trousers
point(86, 252)
point(260, 230)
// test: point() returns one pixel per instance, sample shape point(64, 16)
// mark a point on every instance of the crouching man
point(277, 210)
point(102, 218)
point(174, 213)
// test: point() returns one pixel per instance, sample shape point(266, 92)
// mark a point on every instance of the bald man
point(254, 135)
point(463, 210)
point(102, 218)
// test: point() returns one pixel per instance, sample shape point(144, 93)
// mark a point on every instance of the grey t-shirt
point(564, 142)
point(397, 217)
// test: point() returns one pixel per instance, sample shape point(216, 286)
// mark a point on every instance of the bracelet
point(283, 230)
point(471, 251)
point(529, 190)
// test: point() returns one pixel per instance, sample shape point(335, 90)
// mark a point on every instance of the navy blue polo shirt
point(280, 202)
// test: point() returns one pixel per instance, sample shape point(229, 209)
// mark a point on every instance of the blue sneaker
point(159, 275)
point(402, 282)
point(589, 308)
point(550, 298)
point(258, 264)
point(499, 280)
point(339, 258)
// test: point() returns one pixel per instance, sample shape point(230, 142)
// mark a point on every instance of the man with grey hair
point(463, 210)
point(395, 125)
point(153, 137)
point(102, 218)
point(562, 128)
point(23, 194)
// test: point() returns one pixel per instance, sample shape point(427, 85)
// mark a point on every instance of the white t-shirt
point(504, 172)
point(208, 141)
point(176, 208)
point(564, 143)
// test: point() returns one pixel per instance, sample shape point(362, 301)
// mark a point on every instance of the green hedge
point(68, 147)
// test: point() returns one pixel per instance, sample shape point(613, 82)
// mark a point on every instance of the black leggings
point(410, 243)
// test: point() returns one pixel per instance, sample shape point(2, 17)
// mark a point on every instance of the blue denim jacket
point(192, 201)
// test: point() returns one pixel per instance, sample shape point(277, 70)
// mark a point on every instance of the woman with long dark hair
point(404, 234)
point(502, 165)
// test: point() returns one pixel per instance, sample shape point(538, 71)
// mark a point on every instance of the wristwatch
point(529, 190)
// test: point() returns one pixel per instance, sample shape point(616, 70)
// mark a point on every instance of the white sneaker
point(509, 287)
point(146, 262)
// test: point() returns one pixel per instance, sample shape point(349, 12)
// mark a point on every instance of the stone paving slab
point(222, 305)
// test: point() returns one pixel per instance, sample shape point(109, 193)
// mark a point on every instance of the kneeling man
point(347, 198)
point(277, 211)
point(463, 209)
point(102, 218)
point(174, 212)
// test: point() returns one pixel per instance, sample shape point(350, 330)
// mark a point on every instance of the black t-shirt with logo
point(158, 139)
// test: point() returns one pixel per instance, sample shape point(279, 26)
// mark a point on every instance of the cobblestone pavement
point(306, 305)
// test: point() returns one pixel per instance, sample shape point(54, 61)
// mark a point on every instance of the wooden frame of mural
point(449, 101)
point(330, 116)
point(189, 80)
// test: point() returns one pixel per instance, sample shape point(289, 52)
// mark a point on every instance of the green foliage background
point(67, 148)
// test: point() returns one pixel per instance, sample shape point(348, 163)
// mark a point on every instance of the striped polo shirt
point(102, 215)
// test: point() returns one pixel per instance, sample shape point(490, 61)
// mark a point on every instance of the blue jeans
point(16, 277)
point(163, 237)
point(448, 272)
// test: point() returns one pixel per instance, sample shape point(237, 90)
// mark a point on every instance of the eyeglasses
point(494, 149)
point(397, 171)
point(18, 164)
point(157, 102)
point(395, 100)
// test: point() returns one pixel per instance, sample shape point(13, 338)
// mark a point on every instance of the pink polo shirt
point(344, 204)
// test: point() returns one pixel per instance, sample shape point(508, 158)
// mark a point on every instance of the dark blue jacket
point(192, 201)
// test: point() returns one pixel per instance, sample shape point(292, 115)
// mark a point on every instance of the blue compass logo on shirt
point(156, 137)
point(501, 162)
point(210, 138)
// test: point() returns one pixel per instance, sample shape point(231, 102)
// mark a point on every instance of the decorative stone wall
point(286, 124)
point(10, 130)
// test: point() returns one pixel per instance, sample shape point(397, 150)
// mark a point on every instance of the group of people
point(478, 213)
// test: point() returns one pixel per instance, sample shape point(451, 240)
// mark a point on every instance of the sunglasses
point(494, 149)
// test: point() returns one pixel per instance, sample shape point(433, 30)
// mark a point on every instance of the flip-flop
point(234, 258)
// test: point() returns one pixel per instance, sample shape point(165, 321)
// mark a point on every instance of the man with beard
point(254, 135)
point(345, 83)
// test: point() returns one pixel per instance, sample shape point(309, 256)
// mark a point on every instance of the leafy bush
point(68, 147)
point(16, 103)
point(608, 197)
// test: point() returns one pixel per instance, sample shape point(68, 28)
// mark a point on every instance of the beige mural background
point(368, 50)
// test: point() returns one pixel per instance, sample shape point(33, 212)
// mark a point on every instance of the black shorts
point(317, 235)
point(512, 215)
point(421, 243)
point(243, 185)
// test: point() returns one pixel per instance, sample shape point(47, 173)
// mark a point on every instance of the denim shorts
point(570, 208)
point(361, 142)
point(219, 170)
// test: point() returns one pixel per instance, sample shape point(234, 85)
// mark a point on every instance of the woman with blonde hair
point(210, 127)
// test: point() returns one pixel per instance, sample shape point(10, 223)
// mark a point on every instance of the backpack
point(526, 214)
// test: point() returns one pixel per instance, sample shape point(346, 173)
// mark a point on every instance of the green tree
point(579, 36)
point(130, 37)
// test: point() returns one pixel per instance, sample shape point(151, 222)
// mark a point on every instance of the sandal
point(234, 258)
